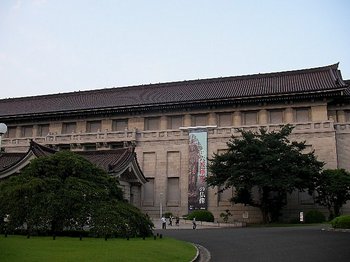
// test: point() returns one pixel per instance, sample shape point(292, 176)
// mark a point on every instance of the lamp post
point(3, 130)
point(6, 220)
point(160, 204)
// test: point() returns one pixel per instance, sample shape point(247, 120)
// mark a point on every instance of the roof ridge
point(174, 83)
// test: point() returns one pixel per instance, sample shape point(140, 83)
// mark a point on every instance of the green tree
point(266, 164)
point(333, 190)
point(62, 191)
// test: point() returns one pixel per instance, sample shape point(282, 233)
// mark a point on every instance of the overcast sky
point(55, 46)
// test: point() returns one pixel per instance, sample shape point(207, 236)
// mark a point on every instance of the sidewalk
point(187, 224)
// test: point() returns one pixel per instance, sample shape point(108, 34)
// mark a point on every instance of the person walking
point(163, 222)
point(194, 224)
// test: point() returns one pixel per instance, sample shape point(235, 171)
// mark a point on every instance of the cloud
point(17, 5)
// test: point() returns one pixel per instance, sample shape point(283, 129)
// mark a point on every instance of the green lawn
point(19, 248)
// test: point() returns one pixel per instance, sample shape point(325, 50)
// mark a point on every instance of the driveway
point(307, 243)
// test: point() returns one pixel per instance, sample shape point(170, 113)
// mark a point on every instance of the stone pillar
point(212, 119)
point(35, 130)
point(341, 116)
point(137, 122)
point(288, 115)
point(106, 124)
point(163, 123)
point(81, 126)
point(187, 120)
point(263, 117)
point(319, 113)
point(237, 120)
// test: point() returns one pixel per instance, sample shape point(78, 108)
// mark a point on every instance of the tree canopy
point(333, 190)
point(64, 191)
point(263, 167)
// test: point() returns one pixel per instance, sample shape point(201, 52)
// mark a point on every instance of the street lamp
point(160, 204)
point(3, 130)
point(6, 220)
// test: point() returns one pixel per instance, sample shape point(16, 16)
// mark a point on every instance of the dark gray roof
point(298, 82)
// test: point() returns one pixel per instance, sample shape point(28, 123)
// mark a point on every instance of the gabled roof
point(298, 82)
point(116, 161)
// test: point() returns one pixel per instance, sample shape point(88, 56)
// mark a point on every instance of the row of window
point(173, 122)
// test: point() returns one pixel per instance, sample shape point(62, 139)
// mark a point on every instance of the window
point(250, 118)
point(275, 116)
point(119, 124)
point(225, 119)
point(200, 120)
point(173, 164)
point(68, 128)
point(152, 123)
point(149, 164)
point(173, 191)
point(302, 114)
point(148, 192)
point(175, 122)
point(347, 115)
point(43, 130)
point(11, 132)
point(93, 126)
point(27, 131)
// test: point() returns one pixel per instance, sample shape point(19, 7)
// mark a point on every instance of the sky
point(57, 46)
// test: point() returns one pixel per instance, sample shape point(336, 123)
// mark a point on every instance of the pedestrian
point(163, 222)
point(177, 220)
point(170, 221)
point(194, 224)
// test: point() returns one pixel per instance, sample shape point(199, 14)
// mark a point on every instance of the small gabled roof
point(318, 80)
point(116, 161)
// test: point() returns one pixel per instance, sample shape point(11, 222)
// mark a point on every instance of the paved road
point(299, 244)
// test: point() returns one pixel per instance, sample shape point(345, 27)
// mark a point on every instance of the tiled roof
point(109, 160)
point(314, 80)
point(115, 161)
point(7, 160)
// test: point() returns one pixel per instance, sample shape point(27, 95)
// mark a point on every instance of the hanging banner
point(197, 171)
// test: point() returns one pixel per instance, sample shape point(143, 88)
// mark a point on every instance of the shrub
point(168, 214)
point(201, 215)
point(314, 216)
point(341, 222)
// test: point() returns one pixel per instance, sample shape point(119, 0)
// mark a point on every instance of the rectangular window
point(347, 115)
point(250, 118)
point(275, 116)
point(175, 122)
point(119, 124)
point(43, 130)
point(11, 132)
point(173, 191)
point(148, 193)
point(152, 123)
point(302, 114)
point(93, 126)
point(27, 131)
point(224, 119)
point(173, 164)
point(200, 120)
point(149, 164)
point(68, 128)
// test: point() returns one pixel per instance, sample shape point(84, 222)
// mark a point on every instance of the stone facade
point(161, 141)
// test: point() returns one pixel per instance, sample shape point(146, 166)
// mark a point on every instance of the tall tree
point(267, 164)
point(333, 190)
point(62, 191)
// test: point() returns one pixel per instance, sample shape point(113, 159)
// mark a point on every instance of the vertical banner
point(197, 170)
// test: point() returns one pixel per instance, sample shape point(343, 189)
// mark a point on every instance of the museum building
point(157, 138)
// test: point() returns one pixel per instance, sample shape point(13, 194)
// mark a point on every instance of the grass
point(19, 248)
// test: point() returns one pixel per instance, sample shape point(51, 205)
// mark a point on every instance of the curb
point(203, 254)
point(197, 253)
